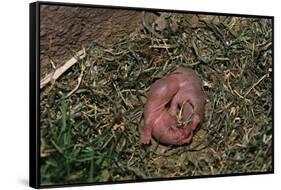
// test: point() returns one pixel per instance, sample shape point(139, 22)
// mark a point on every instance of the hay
point(93, 135)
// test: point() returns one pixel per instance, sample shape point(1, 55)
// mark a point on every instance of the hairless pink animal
point(179, 89)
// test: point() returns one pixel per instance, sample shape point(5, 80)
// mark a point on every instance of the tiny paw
point(185, 140)
point(145, 140)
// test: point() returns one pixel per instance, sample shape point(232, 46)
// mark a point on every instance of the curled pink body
point(180, 88)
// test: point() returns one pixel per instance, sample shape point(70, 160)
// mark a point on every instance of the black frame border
point(34, 93)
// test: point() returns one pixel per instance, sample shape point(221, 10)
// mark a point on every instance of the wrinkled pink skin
point(181, 87)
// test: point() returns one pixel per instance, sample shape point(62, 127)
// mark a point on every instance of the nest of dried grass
point(92, 134)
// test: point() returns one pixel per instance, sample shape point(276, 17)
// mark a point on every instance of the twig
point(255, 84)
point(79, 82)
point(162, 46)
point(52, 63)
point(58, 72)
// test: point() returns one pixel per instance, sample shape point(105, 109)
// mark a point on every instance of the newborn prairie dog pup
point(174, 108)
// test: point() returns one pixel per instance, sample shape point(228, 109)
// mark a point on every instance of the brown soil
point(65, 30)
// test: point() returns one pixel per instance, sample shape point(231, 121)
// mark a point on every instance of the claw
point(145, 139)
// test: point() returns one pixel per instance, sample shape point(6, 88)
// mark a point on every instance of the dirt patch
point(65, 30)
